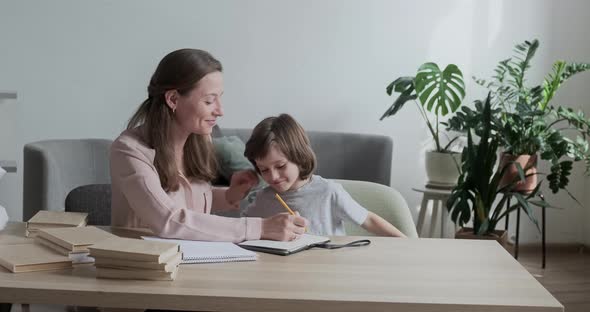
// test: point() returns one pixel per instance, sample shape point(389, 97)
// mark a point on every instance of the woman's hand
point(283, 227)
point(240, 184)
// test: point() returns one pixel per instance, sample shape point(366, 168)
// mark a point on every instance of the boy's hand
point(283, 227)
point(240, 185)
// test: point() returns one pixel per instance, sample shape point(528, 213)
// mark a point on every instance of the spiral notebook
point(207, 252)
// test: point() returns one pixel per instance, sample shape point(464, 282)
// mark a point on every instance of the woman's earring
point(173, 110)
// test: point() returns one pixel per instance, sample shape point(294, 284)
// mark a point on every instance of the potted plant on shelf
point(526, 126)
point(439, 92)
point(479, 185)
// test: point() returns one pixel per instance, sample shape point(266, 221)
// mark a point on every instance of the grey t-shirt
point(324, 203)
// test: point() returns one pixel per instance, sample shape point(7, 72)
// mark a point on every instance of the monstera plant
point(438, 93)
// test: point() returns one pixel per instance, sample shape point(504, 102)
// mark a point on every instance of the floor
point(566, 275)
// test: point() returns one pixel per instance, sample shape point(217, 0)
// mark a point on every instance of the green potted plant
point(478, 188)
point(439, 92)
point(526, 126)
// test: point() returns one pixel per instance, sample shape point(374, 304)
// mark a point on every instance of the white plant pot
point(441, 168)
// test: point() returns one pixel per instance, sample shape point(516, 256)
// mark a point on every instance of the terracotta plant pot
point(511, 172)
point(501, 236)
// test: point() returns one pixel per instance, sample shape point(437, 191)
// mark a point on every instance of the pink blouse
point(139, 200)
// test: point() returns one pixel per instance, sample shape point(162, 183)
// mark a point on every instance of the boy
point(281, 153)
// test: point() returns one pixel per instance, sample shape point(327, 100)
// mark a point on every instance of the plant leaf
point(401, 85)
point(526, 208)
point(440, 91)
point(398, 104)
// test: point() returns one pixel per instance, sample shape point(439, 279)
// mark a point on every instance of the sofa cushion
point(216, 133)
point(230, 155)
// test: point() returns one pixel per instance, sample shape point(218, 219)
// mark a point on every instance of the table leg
point(507, 215)
point(517, 232)
point(443, 218)
point(434, 219)
point(422, 215)
point(543, 234)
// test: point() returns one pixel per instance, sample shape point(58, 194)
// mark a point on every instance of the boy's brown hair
point(288, 137)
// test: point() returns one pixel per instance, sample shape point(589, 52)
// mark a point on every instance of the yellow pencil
point(286, 206)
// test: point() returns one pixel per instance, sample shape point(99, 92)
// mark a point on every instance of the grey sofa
point(52, 169)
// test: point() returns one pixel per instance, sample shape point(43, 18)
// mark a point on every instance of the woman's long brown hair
point(179, 70)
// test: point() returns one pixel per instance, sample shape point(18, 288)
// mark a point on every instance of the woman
point(163, 164)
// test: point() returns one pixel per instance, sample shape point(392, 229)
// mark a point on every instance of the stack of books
point(31, 258)
point(45, 219)
point(126, 258)
point(72, 242)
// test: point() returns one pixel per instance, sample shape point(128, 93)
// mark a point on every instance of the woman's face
point(197, 111)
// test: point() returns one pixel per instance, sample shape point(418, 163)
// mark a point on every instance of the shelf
point(9, 95)
point(8, 165)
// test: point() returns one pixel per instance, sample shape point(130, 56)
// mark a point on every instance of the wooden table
point(388, 275)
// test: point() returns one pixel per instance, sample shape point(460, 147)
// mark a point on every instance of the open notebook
point(205, 252)
point(306, 241)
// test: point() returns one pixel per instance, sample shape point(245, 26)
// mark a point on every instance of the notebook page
point(204, 252)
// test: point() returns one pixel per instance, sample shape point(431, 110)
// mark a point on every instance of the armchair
point(53, 168)
point(382, 200)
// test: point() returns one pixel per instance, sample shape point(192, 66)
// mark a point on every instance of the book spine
point(97, 253)
point(54, 247)
point(55, 240)
point(11, 267)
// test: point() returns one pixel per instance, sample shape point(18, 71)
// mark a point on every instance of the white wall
point(81, 67)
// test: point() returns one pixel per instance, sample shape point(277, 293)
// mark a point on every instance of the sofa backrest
point(349, 156)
